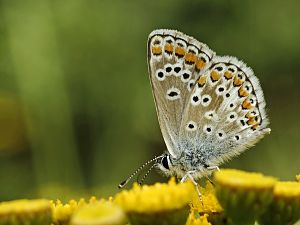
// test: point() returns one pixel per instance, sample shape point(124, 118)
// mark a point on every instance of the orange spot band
point(156, 50)
point(201, 81)
point(200, 64)
point(215, 76)
point(169, 48)
point(179, 51)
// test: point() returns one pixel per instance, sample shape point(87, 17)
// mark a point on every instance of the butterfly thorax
point(189, 161)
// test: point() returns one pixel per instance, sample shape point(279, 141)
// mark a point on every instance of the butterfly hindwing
point(175, 63)
point(229, 113)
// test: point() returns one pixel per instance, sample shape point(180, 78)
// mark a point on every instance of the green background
point(76, 109)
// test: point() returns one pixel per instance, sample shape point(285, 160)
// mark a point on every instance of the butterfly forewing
point(175, 63)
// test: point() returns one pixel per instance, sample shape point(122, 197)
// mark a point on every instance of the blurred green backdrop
point(76, 109)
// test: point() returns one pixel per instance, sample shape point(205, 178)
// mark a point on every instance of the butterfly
point(210, 108)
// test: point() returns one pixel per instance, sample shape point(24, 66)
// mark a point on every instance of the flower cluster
point(234, 198)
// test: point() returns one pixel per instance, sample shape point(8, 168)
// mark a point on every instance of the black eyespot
point(195, 99)
point(168, 69)
point(220, 134)
point(191, 84)
point(247, 88)
point(252, 101)
point(192, 51)
point(173, 94)
point(231, 70)
point(231, 116)
point(205, 100)
point(186, 76)
point(169, 41)
point(240, 76)
point(237, 137)
point(243, 122)
point(221, 89)
point(180, 44)
point(177, 69)
point(191, 126)
point(227, 95)
point(219, 68)
point(156, 42)
point(160, 74)
point(208, 129)
point(231, 105)
point(203, 59)
point(165, 163)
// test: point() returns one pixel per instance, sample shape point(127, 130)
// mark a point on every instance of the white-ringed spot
point(173, 94)
point(160, 75)
point(205, 100)
point(195, 99)
point(191, 126)
point(208, 129)
point(232, 116)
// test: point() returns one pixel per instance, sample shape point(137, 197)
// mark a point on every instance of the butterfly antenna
point(146, 174)
point(123, 183)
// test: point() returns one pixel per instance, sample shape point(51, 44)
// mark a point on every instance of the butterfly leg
point(189, 175)
point(213, 168)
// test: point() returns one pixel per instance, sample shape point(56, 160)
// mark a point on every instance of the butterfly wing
point(175, 62)
point(225, 113)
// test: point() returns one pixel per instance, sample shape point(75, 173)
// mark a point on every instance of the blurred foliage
point(76, 111)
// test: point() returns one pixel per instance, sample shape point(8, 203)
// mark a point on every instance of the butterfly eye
point(165, 162)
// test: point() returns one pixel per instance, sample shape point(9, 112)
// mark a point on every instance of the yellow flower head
point(285, 207)
point(61, 213)
point(102, 213)
point(243, 195)
point(25, 212)
point(236, 179)
point(201, 220)
point(156, 198)
point(157, 204)
point(288, 189)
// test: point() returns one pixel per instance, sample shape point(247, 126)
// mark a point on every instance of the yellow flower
point(285, 207)
point(102, 213)
point(209, 202)
point(61, 213)
point(25, 211)
point(209, 205)
point(159, 202)
point(201, 220)
point(243, 195)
